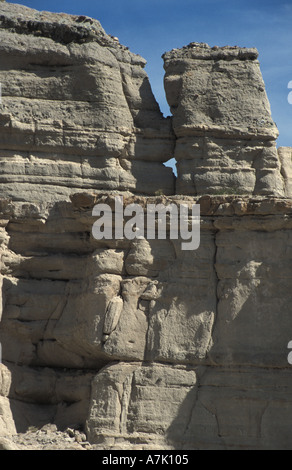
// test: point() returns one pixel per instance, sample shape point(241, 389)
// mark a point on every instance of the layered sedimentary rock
point(226, 138)
point(192, 345)
point(77, 110)
point(138, 342)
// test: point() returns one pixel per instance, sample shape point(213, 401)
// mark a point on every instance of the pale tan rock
point(205, 99)
point(222, 120)
point(5, 380)
point(7, 423)
point(149, 257)
point(253, 293)
point(125, 397)
point(6, 444)
point(218, 305)
point(112, 315)
point(285, 155)
point(143, 344)
point(88, 121)
point(220, 408)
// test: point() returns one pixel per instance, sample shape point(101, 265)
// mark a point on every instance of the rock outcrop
point(77, 110)
point(226, 138)
point(138, 343)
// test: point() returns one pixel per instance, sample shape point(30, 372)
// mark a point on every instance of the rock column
point(226, 138)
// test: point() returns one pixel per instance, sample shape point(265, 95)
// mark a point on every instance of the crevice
point(124, 402)
point(196, 398)
point(209, 347)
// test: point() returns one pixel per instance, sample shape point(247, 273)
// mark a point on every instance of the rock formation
point(137, 342)
point(77, 111)
point(222, 122)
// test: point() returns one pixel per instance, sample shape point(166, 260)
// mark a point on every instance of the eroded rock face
point(285, 155)
point(222, 121)
point(137, 342)
point(78, 110)
point(219, 315)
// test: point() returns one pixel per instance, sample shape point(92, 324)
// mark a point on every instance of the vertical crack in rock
point(211, 342)
point(189, 423)
point(47, 334)
point(125, 401)
point(260, 425)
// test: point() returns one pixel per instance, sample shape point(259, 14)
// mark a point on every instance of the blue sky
point(151, 27)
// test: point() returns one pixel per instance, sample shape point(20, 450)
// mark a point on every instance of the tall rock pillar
point(226, 138)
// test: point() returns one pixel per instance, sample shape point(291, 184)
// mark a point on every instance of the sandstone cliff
point(137, 342)
point(78, 111)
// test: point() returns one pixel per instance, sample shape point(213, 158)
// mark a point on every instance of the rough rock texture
point(201, 335)
point(77, 110)
point(285, 155)
point(222, 121)
point(138, 343)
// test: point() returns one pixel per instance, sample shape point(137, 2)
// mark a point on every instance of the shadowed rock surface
point(138, 344)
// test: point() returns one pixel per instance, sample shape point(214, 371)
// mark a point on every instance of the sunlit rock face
point(77, 112)
point(226, 138)
point(139, 342)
